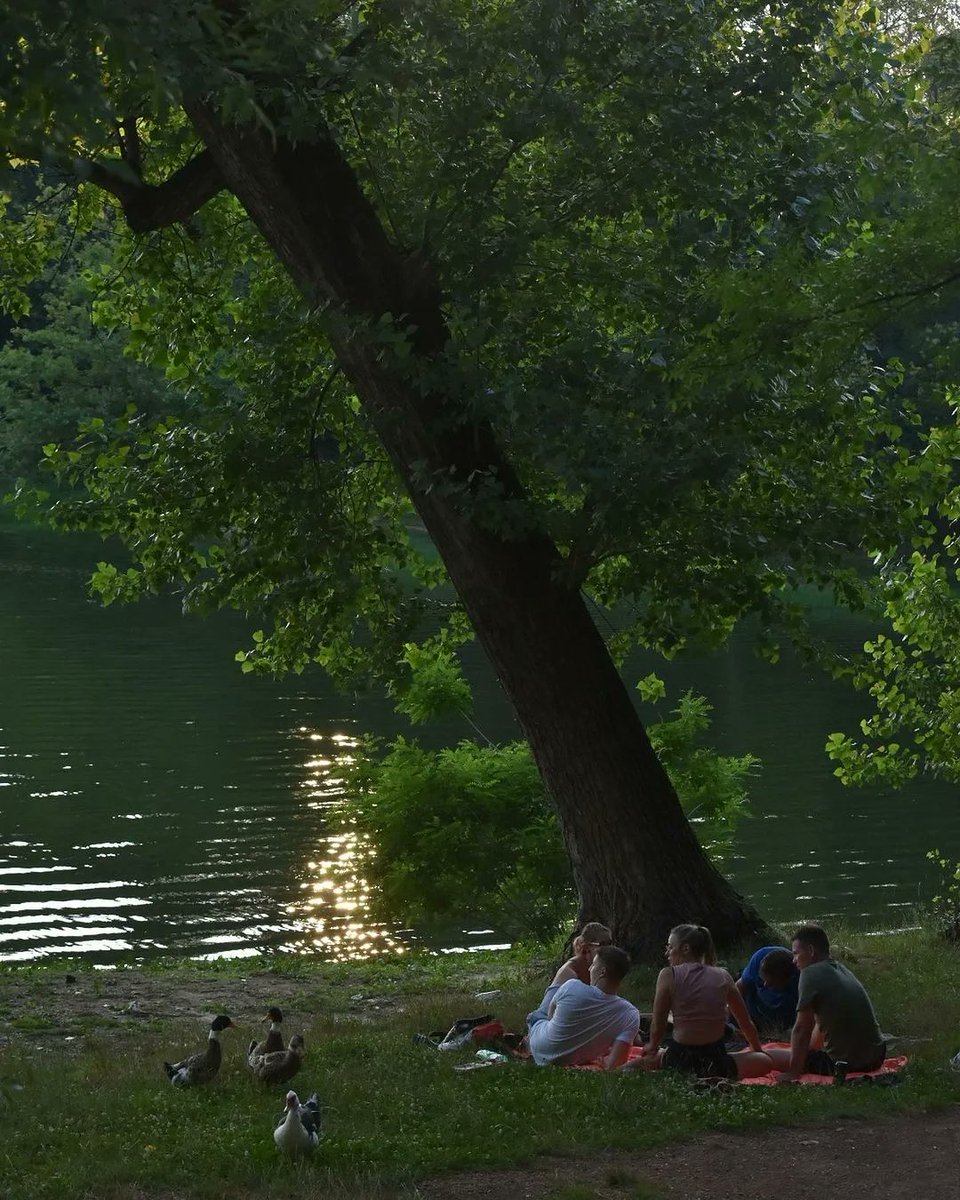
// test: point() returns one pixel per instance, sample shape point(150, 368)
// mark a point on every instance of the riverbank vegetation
point(436, 822)
point(87, 1111)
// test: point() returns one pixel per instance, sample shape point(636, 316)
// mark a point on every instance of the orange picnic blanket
point(597, 1064)
point(890, 1067)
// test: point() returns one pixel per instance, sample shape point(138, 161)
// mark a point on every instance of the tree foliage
point(59, 370)
point(651, 222)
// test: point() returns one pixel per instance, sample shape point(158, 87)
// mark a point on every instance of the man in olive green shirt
point(835, 1021)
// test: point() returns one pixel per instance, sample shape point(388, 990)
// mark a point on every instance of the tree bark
point(152, 206)
point(636, 862)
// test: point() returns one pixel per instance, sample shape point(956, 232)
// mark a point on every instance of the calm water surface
point(154, 800)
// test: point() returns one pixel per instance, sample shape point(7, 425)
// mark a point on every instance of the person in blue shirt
point(769, 984)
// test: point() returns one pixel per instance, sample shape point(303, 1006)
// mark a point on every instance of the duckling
point(298, 1130)
point(200, 1068)
point(272, 1042)
point(281, 1065)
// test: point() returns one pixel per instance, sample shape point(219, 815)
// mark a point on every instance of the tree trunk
point(636, 862)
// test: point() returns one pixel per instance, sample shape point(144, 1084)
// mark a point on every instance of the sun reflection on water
point(333, 908)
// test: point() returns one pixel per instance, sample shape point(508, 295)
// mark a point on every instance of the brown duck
point(203, 1067)
point(272, 1043)
point(280, 1065)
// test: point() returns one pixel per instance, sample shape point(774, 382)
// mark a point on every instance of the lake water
point(154, 800)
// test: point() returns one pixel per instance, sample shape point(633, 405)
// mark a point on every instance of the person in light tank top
point(700, 995)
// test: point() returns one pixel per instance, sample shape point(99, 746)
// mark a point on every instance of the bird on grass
point(281, 1065)
point(202, 1067)
point(273, 1042)
point(298, 1130)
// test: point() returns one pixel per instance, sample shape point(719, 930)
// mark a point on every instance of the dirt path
point(897, 1158)
point(113, 1002)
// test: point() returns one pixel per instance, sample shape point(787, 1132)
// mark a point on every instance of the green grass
point(97, 1118)
point(33, 1022)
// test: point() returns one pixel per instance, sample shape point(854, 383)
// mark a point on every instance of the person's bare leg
point(751, 1063)
point(646, 1062)
point(780, 1057)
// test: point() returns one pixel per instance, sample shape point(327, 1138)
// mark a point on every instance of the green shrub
point(946, 904)
point(460, 831)
point(469, 831)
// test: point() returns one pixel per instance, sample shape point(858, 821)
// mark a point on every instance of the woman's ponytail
point(699, 941)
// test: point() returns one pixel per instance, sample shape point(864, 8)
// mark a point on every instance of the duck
point(281, 1065)
point(203, 1067)
point(272, 1043)
point(298, 1130)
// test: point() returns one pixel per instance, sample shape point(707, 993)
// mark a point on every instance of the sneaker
point(955, 1061)
point(712, 1085)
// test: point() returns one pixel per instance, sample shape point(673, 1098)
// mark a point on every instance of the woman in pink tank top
point(700, 994)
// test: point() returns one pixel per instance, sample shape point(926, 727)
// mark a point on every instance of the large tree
point(553, 273)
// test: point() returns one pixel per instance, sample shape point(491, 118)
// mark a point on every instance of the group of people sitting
point(831, 1023)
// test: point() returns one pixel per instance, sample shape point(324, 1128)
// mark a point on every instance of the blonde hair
point(698, 940)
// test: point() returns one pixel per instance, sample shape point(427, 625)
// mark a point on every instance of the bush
point(946, 904)
point(469, 831)
point(459, 832)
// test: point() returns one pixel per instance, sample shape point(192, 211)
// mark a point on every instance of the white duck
point(298, 1130)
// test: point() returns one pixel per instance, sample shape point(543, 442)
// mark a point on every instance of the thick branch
point(130, 144)
point(154, 206)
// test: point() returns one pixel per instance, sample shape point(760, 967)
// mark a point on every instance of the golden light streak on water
point(332, 911)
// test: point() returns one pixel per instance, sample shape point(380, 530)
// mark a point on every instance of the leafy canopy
point(663, 233)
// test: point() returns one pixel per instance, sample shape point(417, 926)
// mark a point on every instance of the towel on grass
point(890, 1067)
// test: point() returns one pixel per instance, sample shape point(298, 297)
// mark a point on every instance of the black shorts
point(711, 1059)
point(819, 1062)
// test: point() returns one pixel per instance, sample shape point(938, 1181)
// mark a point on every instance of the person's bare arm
point(567, 971)
point(741, 987)
point(662, 1000)
point(803, 1030)
point(617, 1056)
point(742, 1016)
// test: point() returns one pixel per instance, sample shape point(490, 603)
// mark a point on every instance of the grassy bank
point(87, 1111)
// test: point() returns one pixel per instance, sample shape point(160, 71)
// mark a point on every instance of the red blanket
point(890, 1066)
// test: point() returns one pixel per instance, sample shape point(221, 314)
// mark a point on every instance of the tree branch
point(154, 206)
point(130, 144)
point(910, 293)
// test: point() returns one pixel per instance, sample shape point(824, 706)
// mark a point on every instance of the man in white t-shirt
point(588, 1020)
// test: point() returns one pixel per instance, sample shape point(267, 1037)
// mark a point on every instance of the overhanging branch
point(154, 206)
